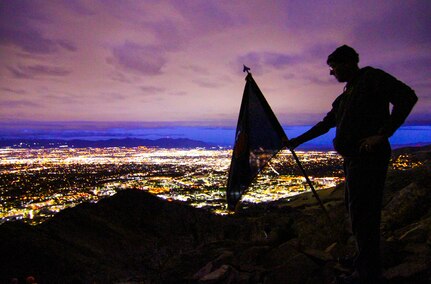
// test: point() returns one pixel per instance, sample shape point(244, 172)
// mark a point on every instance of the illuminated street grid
point(37, 183)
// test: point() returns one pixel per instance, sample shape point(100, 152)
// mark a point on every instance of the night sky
point(180, 62)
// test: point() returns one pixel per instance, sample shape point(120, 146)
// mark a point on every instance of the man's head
point(343, 63)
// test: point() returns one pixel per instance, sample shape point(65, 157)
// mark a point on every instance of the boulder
point(408, 269)
point(224, 274)
point(407, 205)
point(298, 269)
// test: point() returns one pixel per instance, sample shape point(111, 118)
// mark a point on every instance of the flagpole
point(309, 183)
point(286, 143)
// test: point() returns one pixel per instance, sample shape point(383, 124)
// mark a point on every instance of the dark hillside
point(134, 237)
point(131, 233)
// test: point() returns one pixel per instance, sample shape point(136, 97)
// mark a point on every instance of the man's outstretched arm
point(317, 130)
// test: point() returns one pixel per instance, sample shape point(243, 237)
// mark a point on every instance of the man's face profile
point(340, 70)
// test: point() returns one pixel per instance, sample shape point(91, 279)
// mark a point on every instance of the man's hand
point(371, 144)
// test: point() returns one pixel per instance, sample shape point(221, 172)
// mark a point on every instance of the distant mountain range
point(126, 142)
point(136, 142)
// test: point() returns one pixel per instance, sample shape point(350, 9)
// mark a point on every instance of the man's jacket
point(362, 110)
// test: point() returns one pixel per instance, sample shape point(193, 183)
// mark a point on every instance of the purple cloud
point(112, 96)
point(319, 81)
point(415, 69)
point(28, 72)
point(48, 70)
point(18, 26)
point(29, 40)
point(278, 60)
point(14, 91)
point(398, 25)
point(68, 45)
point(207, 83)
point(61, 98)
point(197, 70)
point(162, 49)
point(178, 94)
point(150, 90)
point(320, 51)
point(79, 7)
point(18, 73)
point(118, 76)
point(206, 16)
point(147, 60)
point(167, 34)
point(18, 103)
point(259, 60)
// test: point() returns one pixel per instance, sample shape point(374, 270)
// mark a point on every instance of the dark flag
point(259, 136)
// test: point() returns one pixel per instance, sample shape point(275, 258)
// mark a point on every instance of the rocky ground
point(134, 237)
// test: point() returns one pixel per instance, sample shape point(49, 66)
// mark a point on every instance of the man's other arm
point(402, 98)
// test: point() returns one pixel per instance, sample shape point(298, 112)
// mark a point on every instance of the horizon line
point(156, 124)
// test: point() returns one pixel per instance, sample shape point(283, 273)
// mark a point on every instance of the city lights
point(37, 183)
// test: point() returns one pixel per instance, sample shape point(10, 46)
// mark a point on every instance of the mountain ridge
point(124, 142)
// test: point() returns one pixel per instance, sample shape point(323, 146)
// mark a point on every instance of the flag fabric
point(259, 136)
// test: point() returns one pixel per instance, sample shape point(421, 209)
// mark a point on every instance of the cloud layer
point(181, 61)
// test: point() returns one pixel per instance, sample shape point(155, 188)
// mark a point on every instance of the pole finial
point(246, 69)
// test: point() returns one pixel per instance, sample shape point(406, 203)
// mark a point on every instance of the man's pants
point(365, 180)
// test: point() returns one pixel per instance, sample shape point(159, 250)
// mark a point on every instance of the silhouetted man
point(363, 122)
